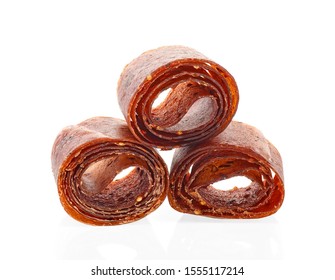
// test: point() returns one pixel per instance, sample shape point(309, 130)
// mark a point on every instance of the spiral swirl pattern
point(202, 97)
point(86, 159)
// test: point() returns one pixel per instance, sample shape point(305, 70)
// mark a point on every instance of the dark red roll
point(240, 150)
point(85, 161)
point(201, 102)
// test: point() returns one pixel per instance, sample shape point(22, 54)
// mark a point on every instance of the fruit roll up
point(201, 97)
point(240, 150)
point(86, 160)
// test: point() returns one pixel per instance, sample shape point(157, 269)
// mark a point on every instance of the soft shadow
point(204, 238)
point(127, 242)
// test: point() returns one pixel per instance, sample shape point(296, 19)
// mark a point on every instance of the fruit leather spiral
point(202, 97)
point(240, 150)
point(86, 159)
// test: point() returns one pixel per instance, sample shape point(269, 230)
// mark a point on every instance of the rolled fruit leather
point(87, 157)
point(202, 97)
point(240, 150)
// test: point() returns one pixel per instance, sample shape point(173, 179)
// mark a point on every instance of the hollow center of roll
point(247, 196)
point(161, 98)
point(187, 106)
point(115, 182)
point(102, 173)
point(229, 182)
point(124, 173)
point(233, 183)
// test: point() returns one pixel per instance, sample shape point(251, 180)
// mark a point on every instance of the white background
point(59, 65)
